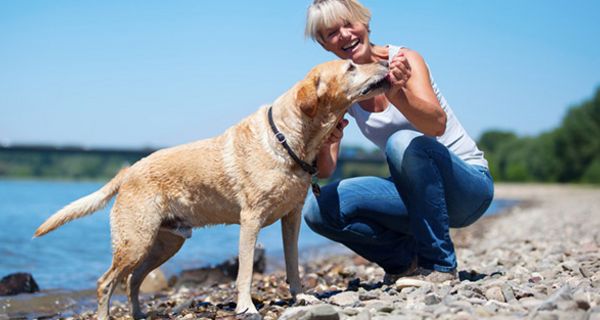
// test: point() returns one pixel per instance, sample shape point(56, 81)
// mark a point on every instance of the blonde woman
point(439, 178)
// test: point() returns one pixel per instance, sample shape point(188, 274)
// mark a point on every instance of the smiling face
point(348, 40)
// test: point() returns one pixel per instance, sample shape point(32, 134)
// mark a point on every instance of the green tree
point(578, 139)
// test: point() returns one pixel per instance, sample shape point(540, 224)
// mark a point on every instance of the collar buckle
point(280, 137)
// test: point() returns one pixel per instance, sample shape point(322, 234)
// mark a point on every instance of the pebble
point(348, 298)
point(432, 299)
point(494, 293)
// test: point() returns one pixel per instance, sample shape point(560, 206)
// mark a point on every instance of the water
point(75, 255)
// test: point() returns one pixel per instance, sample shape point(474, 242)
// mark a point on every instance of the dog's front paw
point(247, 313)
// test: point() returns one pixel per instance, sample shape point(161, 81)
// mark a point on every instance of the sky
point(146, 73)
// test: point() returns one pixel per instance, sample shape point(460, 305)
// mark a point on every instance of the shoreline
point(540, 257)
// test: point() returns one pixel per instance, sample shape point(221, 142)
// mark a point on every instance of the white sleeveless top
point(379, 126)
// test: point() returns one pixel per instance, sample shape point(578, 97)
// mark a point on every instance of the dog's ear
point(307, 98)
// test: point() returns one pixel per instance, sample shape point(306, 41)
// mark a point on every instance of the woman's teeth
point(351, 45)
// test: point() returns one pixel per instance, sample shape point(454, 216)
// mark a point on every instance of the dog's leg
point(249, 228)
point(106, 287)
point(165, 246)
point(290, 228)
point(133, 230)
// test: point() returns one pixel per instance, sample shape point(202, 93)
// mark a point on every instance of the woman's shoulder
point(395, 49)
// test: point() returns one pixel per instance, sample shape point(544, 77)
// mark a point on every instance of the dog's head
point(335, 85)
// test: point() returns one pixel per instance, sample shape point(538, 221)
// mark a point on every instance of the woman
point(439, 178)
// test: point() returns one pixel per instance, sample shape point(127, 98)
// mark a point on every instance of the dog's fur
point(243, 176)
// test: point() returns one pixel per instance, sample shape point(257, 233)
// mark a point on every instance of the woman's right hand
point(338, 132)
point(327, 157)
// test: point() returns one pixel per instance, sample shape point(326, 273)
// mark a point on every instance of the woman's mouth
point(350, 46)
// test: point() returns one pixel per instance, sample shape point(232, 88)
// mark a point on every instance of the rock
point(594, 316)
point(530, 302)
point(432, 299)
point(318, 312)
point(494, 293)
point(155, 281)
point(344, 299)
point(408, 282)
point(369, 295)
point(323, 312)
point(17, 283)
point(460, 305)
point(523, 292)
point(363, 315)
point(350, 311)
point(310, 281)
point(295, 313)
point(582, 301)
point(379, 306)
point(306, 299)
point(535, 277)
point(544, 315)
point(570, 265)
point(508, 293)
point(188, 316)
point(182, 306)
point(586, 271)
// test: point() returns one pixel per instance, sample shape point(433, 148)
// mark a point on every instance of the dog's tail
point(83, 206)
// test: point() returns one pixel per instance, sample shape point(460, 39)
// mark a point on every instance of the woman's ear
point(306, 97)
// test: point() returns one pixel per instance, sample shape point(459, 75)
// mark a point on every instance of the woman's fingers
point(338, 131)
point(399, 71)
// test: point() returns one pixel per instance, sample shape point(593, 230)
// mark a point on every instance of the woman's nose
point(344, 33)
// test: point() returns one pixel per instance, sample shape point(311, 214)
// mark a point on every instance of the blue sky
point(160, 73)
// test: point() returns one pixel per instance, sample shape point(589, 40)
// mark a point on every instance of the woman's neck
point(373, 53)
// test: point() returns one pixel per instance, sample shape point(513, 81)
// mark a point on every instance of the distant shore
point(541, 258)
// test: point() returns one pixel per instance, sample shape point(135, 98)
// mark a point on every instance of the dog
point(255, 173)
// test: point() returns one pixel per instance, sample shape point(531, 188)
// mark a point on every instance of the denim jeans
point(391, 221)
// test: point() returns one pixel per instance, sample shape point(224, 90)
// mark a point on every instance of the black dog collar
point(311, 169)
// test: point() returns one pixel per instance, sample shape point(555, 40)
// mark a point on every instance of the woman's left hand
point(399, 73)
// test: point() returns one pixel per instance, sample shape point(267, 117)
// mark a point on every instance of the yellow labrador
point(255, 173)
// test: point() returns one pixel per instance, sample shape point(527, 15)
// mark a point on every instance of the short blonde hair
point(323, 14)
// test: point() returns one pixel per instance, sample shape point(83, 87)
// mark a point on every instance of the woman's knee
point(398, 142)
point(405, 146)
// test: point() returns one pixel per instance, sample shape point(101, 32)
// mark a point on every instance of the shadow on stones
point(472, 275)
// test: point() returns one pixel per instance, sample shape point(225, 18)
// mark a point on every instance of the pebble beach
point(540, 259)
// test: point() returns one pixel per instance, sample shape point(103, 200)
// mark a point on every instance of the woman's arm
point(327, 160)
point(412, 94)
point(328, 155)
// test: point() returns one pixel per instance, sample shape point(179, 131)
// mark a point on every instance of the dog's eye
point(350, 67)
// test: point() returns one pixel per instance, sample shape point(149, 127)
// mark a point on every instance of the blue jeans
point(390, 221)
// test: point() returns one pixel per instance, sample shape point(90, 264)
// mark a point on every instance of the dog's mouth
point(376, 85)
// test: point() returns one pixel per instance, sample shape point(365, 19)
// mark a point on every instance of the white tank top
point(379, 126)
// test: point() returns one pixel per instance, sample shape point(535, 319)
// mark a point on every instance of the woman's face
point(348, 40)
